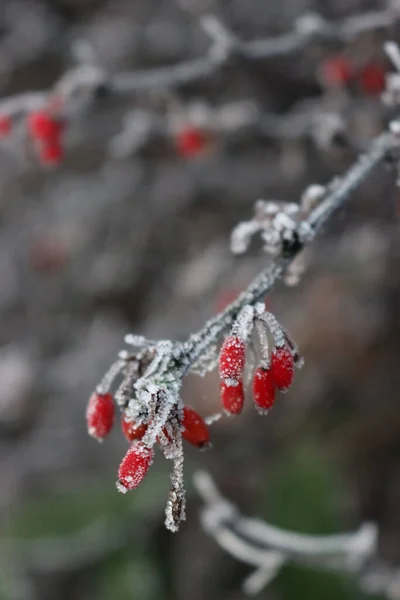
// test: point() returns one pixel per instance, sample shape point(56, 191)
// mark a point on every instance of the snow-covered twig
point(268, 548)
point(84, 83)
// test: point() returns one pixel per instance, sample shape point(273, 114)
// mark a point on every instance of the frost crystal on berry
point(231, 360)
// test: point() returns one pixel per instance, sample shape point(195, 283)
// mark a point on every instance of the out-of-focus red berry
point(372, 79)
point(51, 153)
point(132, 431)
point(191, 142)
point(336, 71)
point(100, 415)
point(42, 126)
point(196, 431)
point(5, 125)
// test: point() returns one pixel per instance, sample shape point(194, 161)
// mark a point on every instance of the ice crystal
point(207, 362)
point(280, 224)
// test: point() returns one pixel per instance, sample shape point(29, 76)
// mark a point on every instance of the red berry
point(264, 389)
point(191, 142)
point(231, 359)
point(195, 429)
point(132, 431)
point(5, 125)
point(42, 126)
point(372, 79)
point(282, 367)
point(100, 415)
point(232, 398)
point(134, 467)
point(51, 152)
point(336, 71)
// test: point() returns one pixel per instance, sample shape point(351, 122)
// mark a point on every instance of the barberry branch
point(268, 548)
point(151, 376)
point(91, 78)
point(226, 45)
point(81, 86)
point(336, 194)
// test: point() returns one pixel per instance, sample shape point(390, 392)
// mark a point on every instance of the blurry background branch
point(268, 548)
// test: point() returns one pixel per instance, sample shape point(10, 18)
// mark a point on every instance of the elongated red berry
point(232, 397)
point(51, 152)
point(134, 467)
point(100, 415)
point(195, 429)
point(131, 430)
point(231, 359)
point(372, 79)
point(5, 125)
point(336, 71)
point(282, 367)
point(42, 126)
point(191, 141)
point(264, 389)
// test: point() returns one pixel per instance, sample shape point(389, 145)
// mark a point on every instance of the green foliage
point(126, 577)
point(304, 492)
point(67, 511)
point(303, 495)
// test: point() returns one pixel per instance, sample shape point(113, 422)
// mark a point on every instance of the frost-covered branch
point(334, 196)
point(226, 45)
point(151, 372)
point(269, 548)
point(82, 86)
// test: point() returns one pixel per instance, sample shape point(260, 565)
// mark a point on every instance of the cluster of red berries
point(277, 375)
point(100, 416)
point(46, 132)
point(338, 71)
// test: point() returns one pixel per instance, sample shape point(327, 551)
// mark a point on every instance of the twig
point(268, 548)
point(155, 395)
point(87, 79)
point(337, 194)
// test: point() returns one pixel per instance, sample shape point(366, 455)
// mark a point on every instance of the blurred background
point(137, 240)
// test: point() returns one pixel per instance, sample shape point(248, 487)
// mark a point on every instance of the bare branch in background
point(269, 548)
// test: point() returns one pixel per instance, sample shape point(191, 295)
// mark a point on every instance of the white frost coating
point(243, 326)
point(108, 379)
point(277, 223)
point(207, 362)
point(242, 234)
point(275, 328)
point(311, 196)
point(263, 339)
